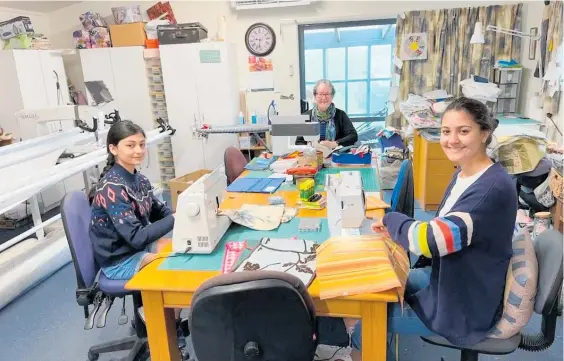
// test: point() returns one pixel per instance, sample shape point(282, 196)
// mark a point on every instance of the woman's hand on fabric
point(378, 227)
point(329, 144)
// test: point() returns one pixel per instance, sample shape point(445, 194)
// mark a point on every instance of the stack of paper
point(282, 165)
point(358, 265)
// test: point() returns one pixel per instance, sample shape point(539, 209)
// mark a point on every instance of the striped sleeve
point(437, 238)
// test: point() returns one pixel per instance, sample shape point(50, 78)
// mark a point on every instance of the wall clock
point(260, 39)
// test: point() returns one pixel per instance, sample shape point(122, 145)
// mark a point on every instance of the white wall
point(40, 21)
point(532, 18)
point(283, 20)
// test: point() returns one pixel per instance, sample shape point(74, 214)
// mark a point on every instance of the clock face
point(260, 39)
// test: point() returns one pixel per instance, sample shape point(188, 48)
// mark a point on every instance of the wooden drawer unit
point(432, 171)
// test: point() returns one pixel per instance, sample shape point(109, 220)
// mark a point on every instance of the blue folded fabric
point(255, 185)
point(260, 163)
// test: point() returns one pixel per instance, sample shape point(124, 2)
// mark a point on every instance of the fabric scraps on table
point(289, 214)
point(232, 253)
point(293, 256)
point(259, 218)
point(375, 202)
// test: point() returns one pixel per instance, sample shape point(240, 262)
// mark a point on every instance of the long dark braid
point(117, 132)
point(109, 164)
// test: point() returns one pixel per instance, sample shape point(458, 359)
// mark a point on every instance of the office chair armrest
point(544, 339)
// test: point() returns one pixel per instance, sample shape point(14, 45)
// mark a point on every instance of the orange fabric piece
point(373, 203)
point(349, 266)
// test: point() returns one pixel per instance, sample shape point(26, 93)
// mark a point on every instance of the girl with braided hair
point(127, 220)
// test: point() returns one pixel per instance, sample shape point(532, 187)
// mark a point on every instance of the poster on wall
point(257, 63)
point(261, 74)
point(414, 46)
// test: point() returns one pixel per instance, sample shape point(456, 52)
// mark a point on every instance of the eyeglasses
point(323, 95)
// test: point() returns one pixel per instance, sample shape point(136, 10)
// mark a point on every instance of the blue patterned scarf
point(326, 120)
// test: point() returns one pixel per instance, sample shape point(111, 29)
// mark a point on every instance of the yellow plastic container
point(307, 189)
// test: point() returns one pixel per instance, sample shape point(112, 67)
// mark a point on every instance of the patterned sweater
point(126, 217)
point(470, 248)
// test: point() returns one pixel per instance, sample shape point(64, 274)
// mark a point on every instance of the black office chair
point(548, 248)
point(253, 316)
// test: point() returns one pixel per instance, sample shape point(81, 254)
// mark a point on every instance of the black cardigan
point(345, 131)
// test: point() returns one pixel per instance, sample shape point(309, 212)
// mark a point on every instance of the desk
point(164, 290)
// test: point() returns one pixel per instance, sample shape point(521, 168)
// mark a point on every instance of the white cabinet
point(28, 80)
point(201, 85)
point(123, 71)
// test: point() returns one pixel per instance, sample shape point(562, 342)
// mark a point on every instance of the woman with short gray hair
point(335, 126)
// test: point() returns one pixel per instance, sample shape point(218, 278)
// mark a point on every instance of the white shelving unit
point(159, 110)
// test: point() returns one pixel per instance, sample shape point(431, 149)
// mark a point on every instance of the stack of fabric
point(95, 33)
point(349, 266)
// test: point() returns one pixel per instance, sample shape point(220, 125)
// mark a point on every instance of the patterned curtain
point(450, 56)
point(551, 39)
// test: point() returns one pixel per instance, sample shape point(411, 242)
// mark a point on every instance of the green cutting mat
point(368, 175)
point(238, 233)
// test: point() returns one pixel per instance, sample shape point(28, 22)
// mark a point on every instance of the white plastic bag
point(151, 28)
point(544, 195)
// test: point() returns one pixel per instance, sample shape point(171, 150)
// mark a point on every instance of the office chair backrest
point(403, 193)
point(76, 215)
point(235, 163)
point(253, 315)
point(548, 247)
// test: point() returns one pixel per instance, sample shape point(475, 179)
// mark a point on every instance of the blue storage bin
point(349, 158)
point(394, 141)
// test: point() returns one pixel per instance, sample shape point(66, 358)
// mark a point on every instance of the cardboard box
point(14, 27)
point(128, 34)
point(179, 184)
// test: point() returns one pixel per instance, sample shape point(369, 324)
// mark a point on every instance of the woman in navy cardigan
point(460, 296)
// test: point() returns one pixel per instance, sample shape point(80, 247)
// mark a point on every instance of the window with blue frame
point(358, 59)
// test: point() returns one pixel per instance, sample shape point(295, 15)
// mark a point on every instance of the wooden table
point(164, 290)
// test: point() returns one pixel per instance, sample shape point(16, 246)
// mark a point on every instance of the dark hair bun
point(479, 113)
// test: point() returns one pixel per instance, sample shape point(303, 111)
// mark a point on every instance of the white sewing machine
point(345, 203)
point(197, 227)
point(351, 199)
point(285, 129)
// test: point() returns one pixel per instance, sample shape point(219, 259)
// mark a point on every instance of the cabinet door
point(132, 94)
point(53, 69)
point(179, 78)
point(97, 65)
point(30, 76)
point(218, 96)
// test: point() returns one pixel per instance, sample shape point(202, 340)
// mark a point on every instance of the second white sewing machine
point(345, 203)
point(197, 227)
